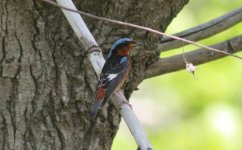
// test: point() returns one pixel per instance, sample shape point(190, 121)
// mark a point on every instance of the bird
point(114, 72)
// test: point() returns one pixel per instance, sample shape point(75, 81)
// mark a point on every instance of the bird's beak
point(137, 44)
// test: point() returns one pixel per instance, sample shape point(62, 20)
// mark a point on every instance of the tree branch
point(97, 61)
point(203, 31)
point(200, 56)
point(140, 27)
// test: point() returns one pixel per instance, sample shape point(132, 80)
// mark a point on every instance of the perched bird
point(114, 72)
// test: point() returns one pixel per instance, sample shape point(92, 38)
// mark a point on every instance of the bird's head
point(122, 47)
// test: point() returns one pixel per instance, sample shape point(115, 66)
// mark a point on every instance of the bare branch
point(200, 56)
point(141, 28)
point(131, 119)
point(97, 61)
point(203, 31)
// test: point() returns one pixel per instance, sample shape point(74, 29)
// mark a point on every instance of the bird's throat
point(123, 52)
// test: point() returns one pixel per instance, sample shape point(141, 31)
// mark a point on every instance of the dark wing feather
point(113, 84)
point(112, 66)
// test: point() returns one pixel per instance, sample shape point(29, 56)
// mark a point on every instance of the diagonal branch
point(200, 56)
point(203, 31)
point(141, 28)
point(97, 61)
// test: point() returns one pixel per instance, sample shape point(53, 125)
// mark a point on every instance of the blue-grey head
point(122, 47)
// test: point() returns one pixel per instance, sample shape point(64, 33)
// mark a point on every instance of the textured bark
point(47, 83)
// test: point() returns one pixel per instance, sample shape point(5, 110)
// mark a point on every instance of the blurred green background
point(181, 113)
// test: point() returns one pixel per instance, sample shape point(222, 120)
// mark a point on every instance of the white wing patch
point(112, 76)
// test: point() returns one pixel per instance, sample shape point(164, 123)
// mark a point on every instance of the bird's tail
point(95, 108)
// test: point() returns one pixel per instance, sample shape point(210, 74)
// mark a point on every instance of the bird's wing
point(112, 75)
point(114, 82)
point(112, 78)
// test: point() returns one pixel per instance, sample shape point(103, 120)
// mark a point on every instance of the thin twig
point(203, 31)
point(142, 28)
point(199, 56)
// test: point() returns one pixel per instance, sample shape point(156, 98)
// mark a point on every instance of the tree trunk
point(46, 81)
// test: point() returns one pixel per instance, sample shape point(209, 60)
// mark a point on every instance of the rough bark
point(46, 81)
